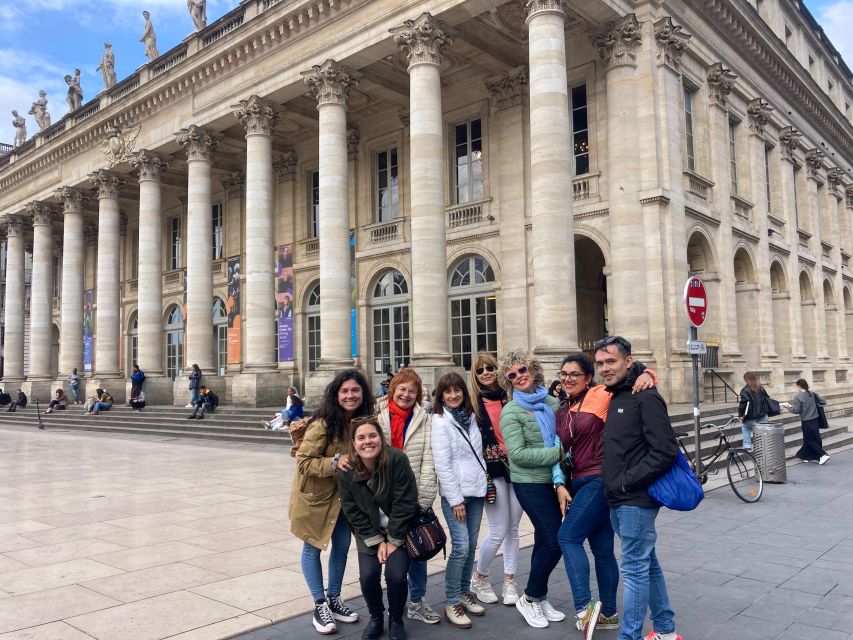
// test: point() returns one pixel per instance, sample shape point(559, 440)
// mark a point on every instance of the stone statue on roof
point(20, 130)
point(108, 66)
point(198, 12)
point(39, 111)
point(75, 91)
point(149, 38)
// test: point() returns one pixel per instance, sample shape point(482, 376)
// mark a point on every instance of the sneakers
point(455, 614)
point(189, 406)
point(550, 613)
point(340, 611)
point(423, 612)
point(471, 605)
point(324, 623)
point(509, 591)
point(823, 458)
point(532, 612)
point(605, 622)
point(587, 620)
point(481, 588)
point(654, 635)
point(265, 424)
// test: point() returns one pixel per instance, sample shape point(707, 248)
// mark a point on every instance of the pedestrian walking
point(752, 408)
point(194, 386)
point(73, 381)
point(806, 405)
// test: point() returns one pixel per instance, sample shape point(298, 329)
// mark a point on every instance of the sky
point(43, 40)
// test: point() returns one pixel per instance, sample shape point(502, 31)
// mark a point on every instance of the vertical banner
point(184, 363)
point(88, 329)
point(232, 306)
point(353, 295)
point(284, 301)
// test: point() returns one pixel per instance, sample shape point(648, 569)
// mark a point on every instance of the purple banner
point(88, 329)
point(284, 301)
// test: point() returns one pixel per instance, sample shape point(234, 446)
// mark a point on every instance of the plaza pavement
point(144, 538)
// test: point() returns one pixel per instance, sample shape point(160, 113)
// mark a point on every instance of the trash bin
point(768, 447)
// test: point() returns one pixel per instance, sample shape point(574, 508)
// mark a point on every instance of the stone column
point(41, 295)
point(150, 269)
point(73, 256)
point(814, 177)
point(199, 145)
point(259, 117)
point(13, 338)
point(423, 42)
point(108, 285)
point(834, 203)
point(330, 84)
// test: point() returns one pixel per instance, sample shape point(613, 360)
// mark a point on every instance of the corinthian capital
point(107, 183)
point(285, 167)
point(14, 226)
point(759, 113)
point(618, 45)
point(41, 213)
point(257, 115)
point(235, 184)
point(848, 196)
point(330, 82)
point(721, 81)
point(532, 7)
point(148, 164)
point(90, 233)
point(814, 163)
point(422, 41)
point(671, 42)
point(71, 199)
point(835, 180)
point(198, 142)
point(509, 89)
point(788, 142)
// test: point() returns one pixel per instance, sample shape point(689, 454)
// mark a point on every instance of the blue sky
point(42, 40)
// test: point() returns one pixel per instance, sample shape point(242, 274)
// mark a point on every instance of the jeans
point(746, 429)
point(504, 516)
point(312, 569)
point(201, 406)
point(101, 406)
point(588, 518)
point(369, 572)
point(75, 391)
point(195, 395)
point(417, 581)
point(539, 502)
point(463, 547)
point(644, 585)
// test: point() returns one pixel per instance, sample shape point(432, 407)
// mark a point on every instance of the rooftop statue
point(75, 92)
point(39, 111)
point(108, 66)
point(20, 130)
point(149, 38)
point(198, 12)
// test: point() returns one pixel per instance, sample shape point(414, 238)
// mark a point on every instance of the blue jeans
point(746, 429)
point(312, 569)
point(644, 585)
point(463, 547)
point(101, 406)
point(195, 395)
point(588, 518)
point(417, 581)
point(540, 504)
point(75, 391)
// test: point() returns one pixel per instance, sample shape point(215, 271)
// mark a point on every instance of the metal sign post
point(696, 303)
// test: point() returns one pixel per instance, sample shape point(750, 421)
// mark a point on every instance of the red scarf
point(399, 421)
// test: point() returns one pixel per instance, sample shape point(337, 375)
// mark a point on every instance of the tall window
point(220, 330)
point(175, 257)
point(387, 194)
point(134, 255)
point(767, 184)
point(468, 161)
point(733, 154)
point(312, 327)
point(57, 276)
point(797, 171)
point(132, 341)
point(314, 212)
point(688, 129)
point(473, 316)
point(390, 322)
point(174, 342)
point(218, 231)
point(580, 130)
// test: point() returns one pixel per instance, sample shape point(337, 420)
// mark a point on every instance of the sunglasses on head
point(606, 342)
point(512, 375)
point(479, 370)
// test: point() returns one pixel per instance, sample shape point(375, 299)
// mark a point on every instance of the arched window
point(174, 342)
point(132, 341)
point(220, 330)
point(312, 327)
point(473, 315)
point(390, 315)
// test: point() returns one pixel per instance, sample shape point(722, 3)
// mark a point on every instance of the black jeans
point(539, 502)
point(396, 569)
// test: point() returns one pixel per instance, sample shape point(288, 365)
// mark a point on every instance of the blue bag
point(678, 489)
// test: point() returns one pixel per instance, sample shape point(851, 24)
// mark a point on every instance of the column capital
point(509, 89)
point(403, 115)
point(148, 164)
point(835, 180)
point(258, 116)
point(198, 142)
point(285, 166)
point(533, 7)
point(423, 40)
point(41, 213)
point(91, 234)
point(235, 184)
point(758, 112)
point(618, 45)
point(671, 42)
point(814, 164)
point(353, 138)
point(330, 82)
point(788, 142)
point(848, 196)
point(721, 81)
point(107, 183)
point(14, 226)
point(71, 199)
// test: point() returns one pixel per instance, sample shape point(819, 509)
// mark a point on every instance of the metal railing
point(724, 387)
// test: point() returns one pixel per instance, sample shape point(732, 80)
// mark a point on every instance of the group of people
point(504, 448)
point(293, 410)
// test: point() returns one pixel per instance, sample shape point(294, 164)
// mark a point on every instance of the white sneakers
point(532, 612)
point(481, 588)
point(550, 613)
point(509, 591)
point(823, 458)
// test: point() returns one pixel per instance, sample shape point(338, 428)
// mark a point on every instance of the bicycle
point(742, 469)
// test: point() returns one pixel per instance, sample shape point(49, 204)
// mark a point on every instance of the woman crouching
point(379, 497)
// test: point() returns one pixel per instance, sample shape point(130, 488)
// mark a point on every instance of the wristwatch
point(557, 485)
point(335, 461)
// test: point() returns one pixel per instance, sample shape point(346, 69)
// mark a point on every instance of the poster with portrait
point(88, 329)
point(284, 301)
point(232, 307)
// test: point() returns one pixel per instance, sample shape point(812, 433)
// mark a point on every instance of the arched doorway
point(312, 327)
point(389, 303)
point(746, 307)
point(848, 317)
point(781, 309)
point(702, 263)
point(174, 341)
point(591, 292)
point(830, 319)
point(132, 341)
point(808, 310)
point(220, 331)
point(473, 310)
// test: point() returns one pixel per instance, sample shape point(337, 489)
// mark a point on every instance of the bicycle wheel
point(744, 475)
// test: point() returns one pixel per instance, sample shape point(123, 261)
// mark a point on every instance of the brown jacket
point(314, 502)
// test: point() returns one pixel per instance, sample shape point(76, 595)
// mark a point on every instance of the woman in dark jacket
point(195, 385)
point(379, 497)
point(805, 405)
point(752, 408)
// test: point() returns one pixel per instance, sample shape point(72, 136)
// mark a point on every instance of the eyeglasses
point(479, 370)
point(512, 375)
point(571, 375)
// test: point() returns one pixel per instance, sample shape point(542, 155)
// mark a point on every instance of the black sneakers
point(324, 623)
point(340, 610)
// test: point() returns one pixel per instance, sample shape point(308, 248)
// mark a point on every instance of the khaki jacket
point(314, 503)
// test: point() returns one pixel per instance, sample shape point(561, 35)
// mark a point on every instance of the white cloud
point(836, 18)
point(20, 92)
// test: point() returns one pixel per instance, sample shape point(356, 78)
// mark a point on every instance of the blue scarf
point(543, 413)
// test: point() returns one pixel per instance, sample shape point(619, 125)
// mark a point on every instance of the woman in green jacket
point(379, 497)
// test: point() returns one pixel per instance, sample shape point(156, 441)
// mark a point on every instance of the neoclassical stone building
point(308, 183)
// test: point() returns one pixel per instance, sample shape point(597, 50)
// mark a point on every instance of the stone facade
point(462, 177)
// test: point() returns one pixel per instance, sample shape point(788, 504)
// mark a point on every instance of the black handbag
point(822, 422)
point(773, 407)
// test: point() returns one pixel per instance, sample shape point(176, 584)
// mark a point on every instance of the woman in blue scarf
point(529, 427)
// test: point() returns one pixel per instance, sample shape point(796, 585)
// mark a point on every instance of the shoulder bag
point(678, 489)
point(491, 492)
point(773, 407)
point(822, 422)
point(426, 536)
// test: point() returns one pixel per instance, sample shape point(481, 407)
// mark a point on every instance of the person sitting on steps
point(21, 401)
point(5, 398)
point(137, 402)
point(104, 402)
point(208, 401)
point(59, 401)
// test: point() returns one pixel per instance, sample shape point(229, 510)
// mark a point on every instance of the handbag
point(678, 489)
point(491, 491)
point(822, 423)
point(773, 406)
point(426, 536)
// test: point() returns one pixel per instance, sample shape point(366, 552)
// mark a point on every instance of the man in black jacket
point(639, 447)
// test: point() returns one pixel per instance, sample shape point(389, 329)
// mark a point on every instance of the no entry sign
point(696, 301)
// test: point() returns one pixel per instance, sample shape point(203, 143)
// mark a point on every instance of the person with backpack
point(752, 408)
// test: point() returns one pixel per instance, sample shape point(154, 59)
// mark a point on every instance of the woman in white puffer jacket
point(458, 456)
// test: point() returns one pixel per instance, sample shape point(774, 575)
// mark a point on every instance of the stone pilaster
point(73, 258)
point(199, 145)
point(285, 167)
point(815, 178)
point(13, 338)
point(41, 293)
point(234, 185)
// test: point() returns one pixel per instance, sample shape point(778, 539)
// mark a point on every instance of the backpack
point(678, 489)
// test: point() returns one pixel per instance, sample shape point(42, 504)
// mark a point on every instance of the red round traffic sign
point(696, 301)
